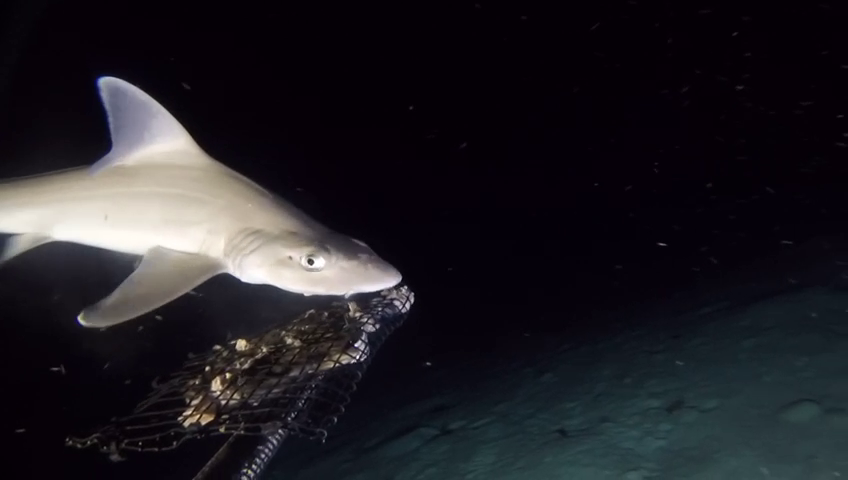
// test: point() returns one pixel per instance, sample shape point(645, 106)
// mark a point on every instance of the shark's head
point(327, 264)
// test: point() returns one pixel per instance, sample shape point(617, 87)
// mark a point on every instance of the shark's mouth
point(293, 378)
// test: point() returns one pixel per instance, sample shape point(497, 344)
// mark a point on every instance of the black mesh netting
point(295, 377)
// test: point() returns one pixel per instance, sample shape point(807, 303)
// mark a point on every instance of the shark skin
point(158, 195)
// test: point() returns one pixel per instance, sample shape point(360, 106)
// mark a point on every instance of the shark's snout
point(376, 276)
point(389, 276)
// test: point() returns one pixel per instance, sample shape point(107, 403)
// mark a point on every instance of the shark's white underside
point(157, 194)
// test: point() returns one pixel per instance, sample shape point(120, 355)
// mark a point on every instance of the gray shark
point(157, 194)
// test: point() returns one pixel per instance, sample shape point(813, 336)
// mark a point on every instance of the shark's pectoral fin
point(18, 244)
point(162, 276)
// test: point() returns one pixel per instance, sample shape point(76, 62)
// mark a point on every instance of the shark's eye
point(312, 262)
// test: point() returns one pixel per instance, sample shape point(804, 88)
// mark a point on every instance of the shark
point(187, 217)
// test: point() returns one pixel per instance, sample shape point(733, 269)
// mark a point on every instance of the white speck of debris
point(661, 244)
point(157, 317)
point(60, 369)
point(106, 366)
point(595, 26)
point(628, 187)
point(740, 87)
point(734, 34)
point(185, 85)
point(768, 189)
point(787, 242)
point(463, 145)
point(20, 430)
point(412, 107)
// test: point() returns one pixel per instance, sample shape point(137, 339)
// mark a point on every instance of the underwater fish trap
point(294, 378)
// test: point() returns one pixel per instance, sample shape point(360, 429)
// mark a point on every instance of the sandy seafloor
point(743, 378)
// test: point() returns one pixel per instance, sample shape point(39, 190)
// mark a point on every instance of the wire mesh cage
point(293, 378)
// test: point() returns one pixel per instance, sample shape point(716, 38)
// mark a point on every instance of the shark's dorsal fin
point(142, 130)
